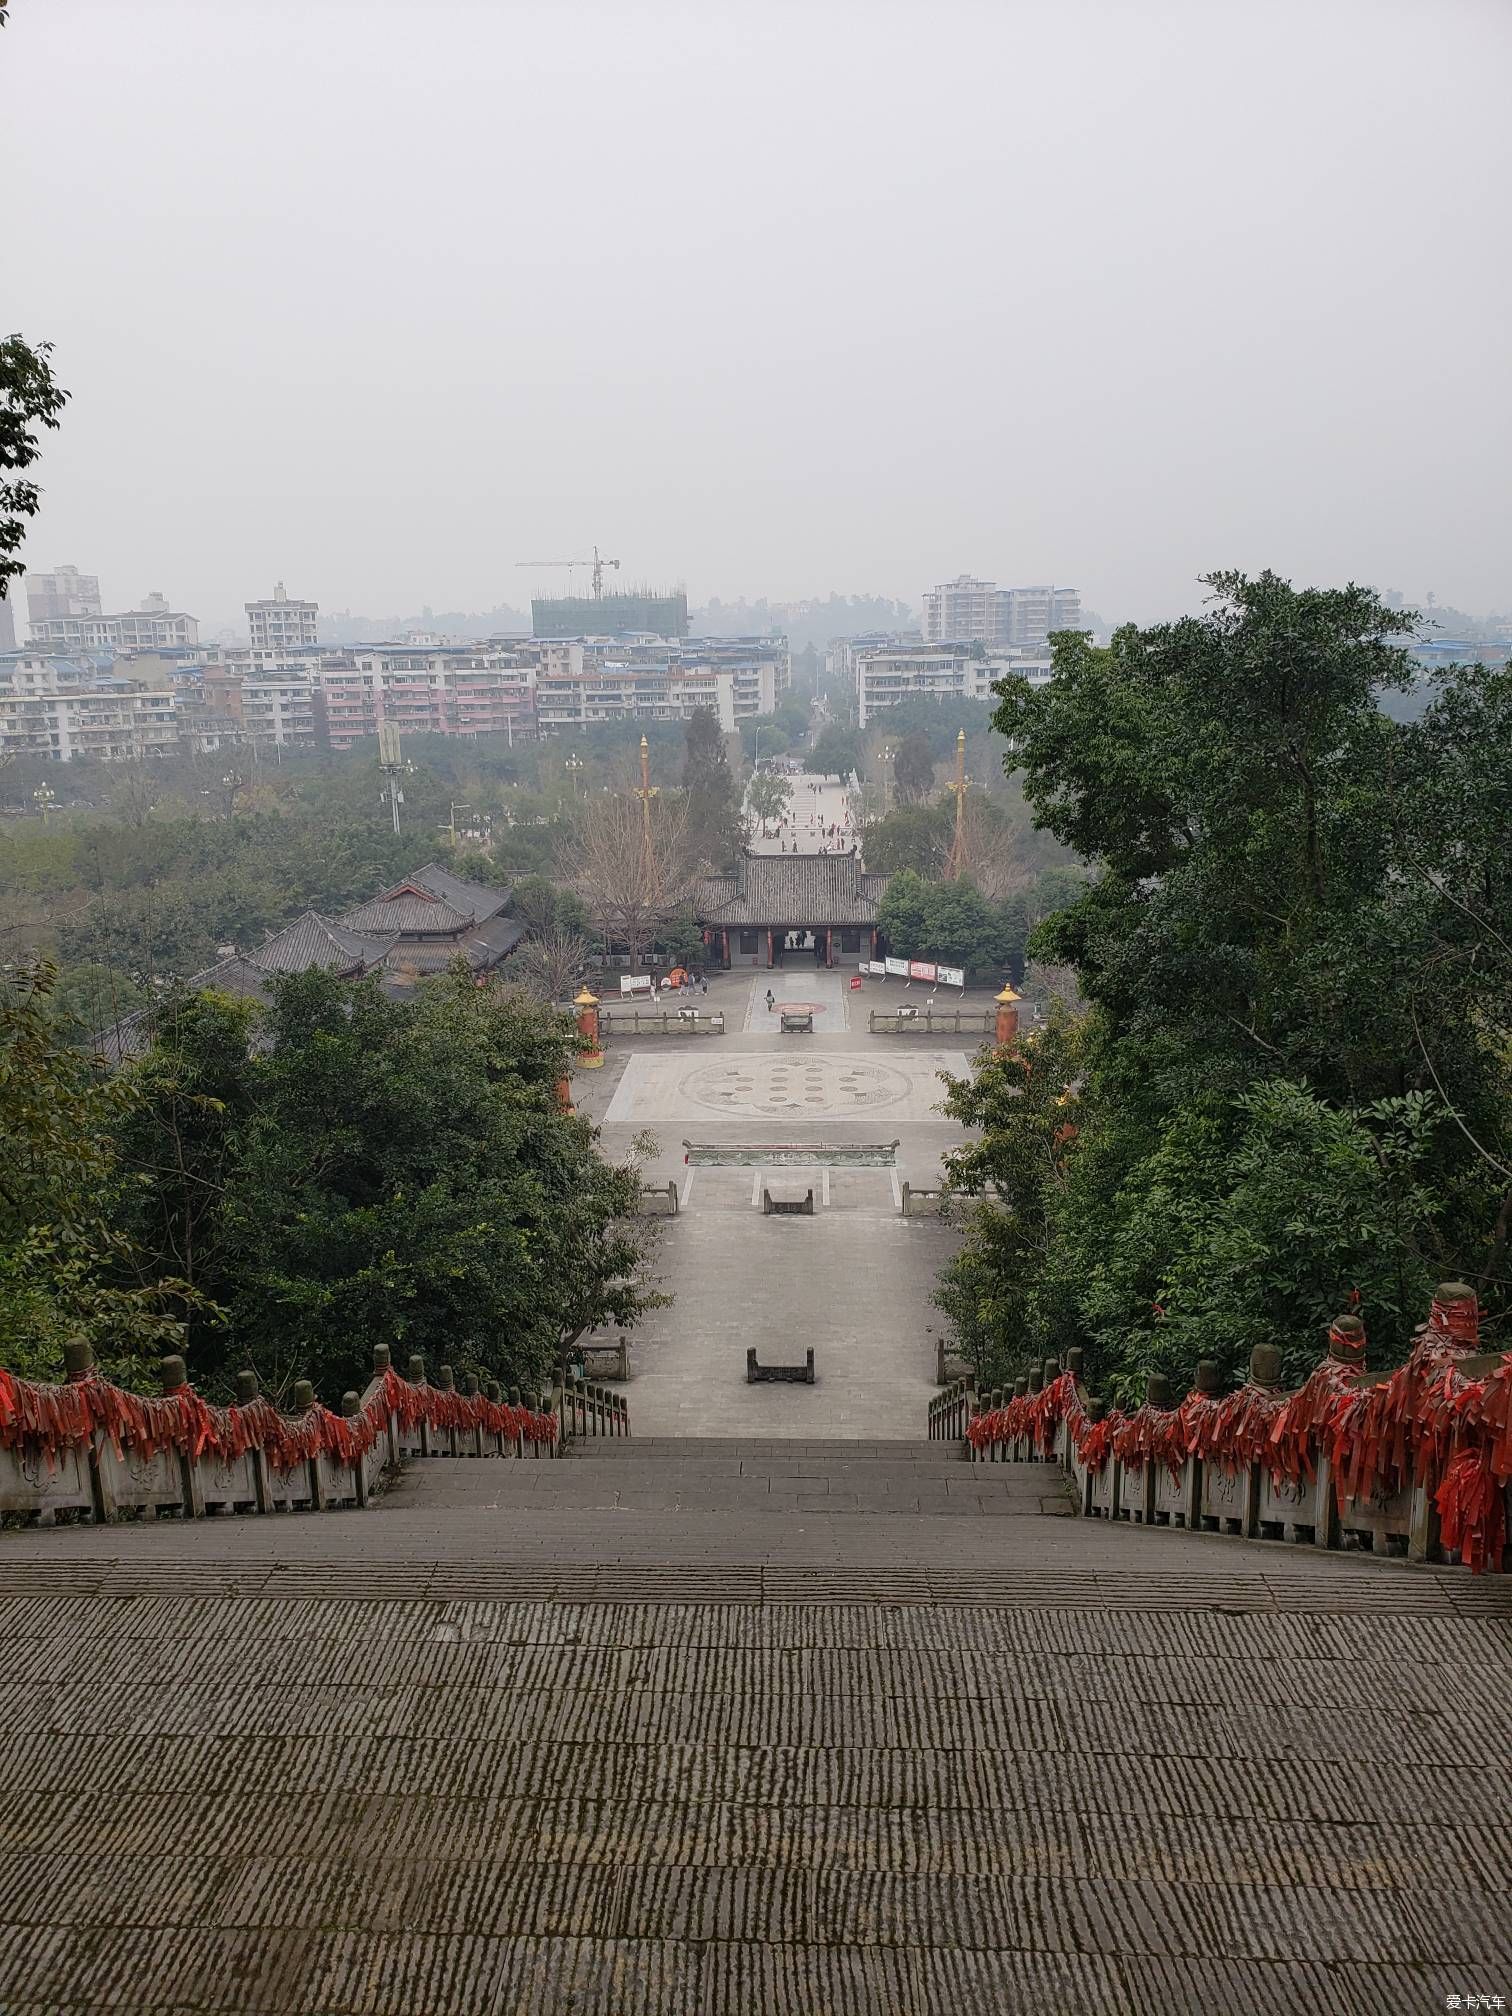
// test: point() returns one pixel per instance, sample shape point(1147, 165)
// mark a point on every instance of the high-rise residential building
point(968, 611)
point(7, 625)
point(58, 708)
point(429, 689)
point(887, 672)
point(635, 613)
point(280, 623)
point(153, 627)
point(963, 611)
point(64, 592)
point(581, 681)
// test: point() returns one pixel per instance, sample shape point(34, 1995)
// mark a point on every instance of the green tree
point(769, 795)
point(713, 816)
point(30, 398)
point(915, 837)
point(402, 1174)
point(1292, 1085)
point(67, 1267)
point(837, 753)
point(913, 767)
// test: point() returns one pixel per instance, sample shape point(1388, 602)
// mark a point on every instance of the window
point(748, 941)
point(850, 941)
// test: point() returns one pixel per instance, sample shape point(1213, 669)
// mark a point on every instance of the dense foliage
point(30, 397)
point(1290, 1093)
point(952, 922)
point(370, 1172)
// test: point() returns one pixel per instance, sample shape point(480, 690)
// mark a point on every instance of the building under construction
point(636, 613)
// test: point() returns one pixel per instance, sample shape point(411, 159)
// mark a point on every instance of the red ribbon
point(54, 1418)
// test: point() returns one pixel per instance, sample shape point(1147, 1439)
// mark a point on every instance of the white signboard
point(950, 976)
point(896, 968)
point(876, 969)
point(635, 983)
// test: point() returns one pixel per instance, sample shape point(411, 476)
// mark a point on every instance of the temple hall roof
point(790, 889)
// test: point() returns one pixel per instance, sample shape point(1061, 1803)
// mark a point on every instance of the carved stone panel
point(30, 1483)
point(1286, 1504)
point(227, 1480)
point(145, 1482)
point(1170, 1492)
point(1222, 1492)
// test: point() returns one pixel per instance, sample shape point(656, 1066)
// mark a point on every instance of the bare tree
point(630, 864)
point(994, 853)
point(550, 966)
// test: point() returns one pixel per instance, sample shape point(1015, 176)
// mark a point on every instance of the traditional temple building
point(785, 906)
point(419, 926)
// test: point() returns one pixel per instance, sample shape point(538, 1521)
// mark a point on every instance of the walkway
point(540, 1737)
point(854, 1280)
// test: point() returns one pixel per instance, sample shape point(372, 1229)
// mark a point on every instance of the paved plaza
point(854, 1280)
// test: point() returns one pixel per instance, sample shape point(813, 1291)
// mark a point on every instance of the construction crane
point(597, 563)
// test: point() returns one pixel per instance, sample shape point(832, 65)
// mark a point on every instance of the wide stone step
point(692, 1448)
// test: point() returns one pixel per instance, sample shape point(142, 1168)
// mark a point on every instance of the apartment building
point(280, 623)
point(63, 592)
point(430, 689)
point(153, 627)
point(969, 611)
point(583, 681)
point(888, 673)
point(59, 708)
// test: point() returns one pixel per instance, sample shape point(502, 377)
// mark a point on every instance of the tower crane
point(597, 563)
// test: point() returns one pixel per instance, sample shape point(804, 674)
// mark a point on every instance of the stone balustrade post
point(446, 1383)
point(351, 1407)
point(248, 1392)
point(383, 1359)
point(473, 1388)
point(175, 1377)
point(417, 1378)
point(79, 1363)
point(516, 1402)
point(304, 1400)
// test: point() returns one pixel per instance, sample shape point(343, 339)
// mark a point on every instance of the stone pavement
point(854, 1280)
point(405, 1761)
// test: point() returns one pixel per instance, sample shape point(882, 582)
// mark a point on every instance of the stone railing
point(658, 1200)
point(914, 1201)
point(661, 1022)
point(930, 1021)
point(90, 1450)
point(951, 1412)
point(1416, 1463)
point(585, 1411)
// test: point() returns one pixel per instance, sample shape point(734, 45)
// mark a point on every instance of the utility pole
point(646, 794)
point(958, 844)
point(393, 766)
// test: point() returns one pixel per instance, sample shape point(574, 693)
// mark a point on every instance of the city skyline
point(895, 325)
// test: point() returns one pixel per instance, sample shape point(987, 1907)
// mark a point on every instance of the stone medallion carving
point(751, 1087)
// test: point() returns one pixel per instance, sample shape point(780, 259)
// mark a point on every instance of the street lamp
point(42, 798)
point(573, 766)
point(887, 757)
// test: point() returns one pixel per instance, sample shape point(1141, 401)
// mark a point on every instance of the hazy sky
point(766, 298)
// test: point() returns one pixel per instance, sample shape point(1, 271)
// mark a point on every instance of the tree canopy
point(1291, 1089)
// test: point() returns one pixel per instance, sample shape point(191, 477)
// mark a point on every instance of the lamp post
point(887, 758)
point(573, 766)
point(42, 798)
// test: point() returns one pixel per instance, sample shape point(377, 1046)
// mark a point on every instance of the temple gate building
point(785, 906)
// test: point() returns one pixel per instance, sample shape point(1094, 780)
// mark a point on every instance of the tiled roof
point(311, 940)
point(474, 898)
point(791, 889)
point(410, 910)
point(482, 949)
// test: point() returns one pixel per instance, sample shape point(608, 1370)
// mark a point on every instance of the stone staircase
point(696, 1727)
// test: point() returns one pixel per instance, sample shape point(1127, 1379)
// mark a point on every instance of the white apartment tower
point(968, 611)
point(280, 623)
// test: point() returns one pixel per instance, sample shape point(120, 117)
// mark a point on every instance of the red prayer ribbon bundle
point(53, 1418)
point(1424, 1422)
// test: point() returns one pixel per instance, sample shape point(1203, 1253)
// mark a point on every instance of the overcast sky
point(765, 298)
